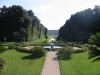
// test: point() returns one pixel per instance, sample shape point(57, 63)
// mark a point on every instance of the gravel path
point(51, 65)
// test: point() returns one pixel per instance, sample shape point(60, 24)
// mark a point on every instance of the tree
point(46, 37)
point(23, 34)
point(15, 17)
point(86, 22)
point(46, 30)
point(94, 49)
point(16, 36)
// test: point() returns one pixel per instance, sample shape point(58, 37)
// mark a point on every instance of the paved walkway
point(51, 65)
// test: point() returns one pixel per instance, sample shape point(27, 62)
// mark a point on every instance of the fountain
point(52, 46)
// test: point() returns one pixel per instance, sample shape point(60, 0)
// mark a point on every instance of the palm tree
point(2, 60)
point(94, 49)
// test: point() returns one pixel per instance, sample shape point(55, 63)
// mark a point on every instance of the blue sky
point(53, 13)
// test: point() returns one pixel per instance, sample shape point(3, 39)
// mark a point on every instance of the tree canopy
point(81, 25)
point(15, 19)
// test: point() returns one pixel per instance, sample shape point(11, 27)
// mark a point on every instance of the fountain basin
point(54, 47)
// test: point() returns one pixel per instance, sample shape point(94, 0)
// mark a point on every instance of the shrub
point(64, 53)
point(2, 64)
point(60, 44)
point(94, 52)
point(78, 45)
point(24, 45)
point(38, 51)
point(87, 45)
point(2, 60)
point(12, 46)
point(21, 49)
point(2, 49)
point(79, 50)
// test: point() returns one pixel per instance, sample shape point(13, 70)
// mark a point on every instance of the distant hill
point(52, 32)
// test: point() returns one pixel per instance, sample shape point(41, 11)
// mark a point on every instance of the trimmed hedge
point(64, 53)
point(80, 50)
point(38, 51)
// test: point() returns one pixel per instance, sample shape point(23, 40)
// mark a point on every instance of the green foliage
point(2, 48)
point(12, 46)
point(95, 39)
point(57, 38)
point(39, 40)
point(16, 36)
point(64, 53)
point(2, 60)
point(21, 49)
point(46, 37)
point(81, 25)
point(80, 50)
point(38, 51)
point(25, 50)
point(78, 45)
point(17, 23)
point(86, 45)
point(23, 34)
point(21, 20)
point(94, 52)
point(19, 63)
point(94, 49)
point(60, 44)
point(2, 64)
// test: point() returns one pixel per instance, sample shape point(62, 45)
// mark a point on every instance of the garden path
point(51, 65)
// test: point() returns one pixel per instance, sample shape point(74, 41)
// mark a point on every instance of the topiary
point(38, 51)
point(64, 53)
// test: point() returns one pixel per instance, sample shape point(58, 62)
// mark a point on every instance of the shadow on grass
point(65, 58)
point(29, 57)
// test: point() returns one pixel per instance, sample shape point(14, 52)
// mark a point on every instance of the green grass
point(79, 64)
point(21, 63)
point(42, 39)
point(30, 42)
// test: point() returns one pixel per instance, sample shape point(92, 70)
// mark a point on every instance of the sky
point(53, 13)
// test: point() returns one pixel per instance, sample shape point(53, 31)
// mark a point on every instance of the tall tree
point(81, 25)
point(15, 17)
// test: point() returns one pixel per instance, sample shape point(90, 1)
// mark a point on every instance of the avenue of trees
point(81, 25)
point(17, 24)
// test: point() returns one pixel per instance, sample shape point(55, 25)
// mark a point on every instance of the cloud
point(49, 15)
point(54, 15)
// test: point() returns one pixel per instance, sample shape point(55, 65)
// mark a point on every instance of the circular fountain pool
point(54, 47)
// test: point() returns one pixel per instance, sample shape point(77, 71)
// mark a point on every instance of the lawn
point(42, 39)
point(21, 63)
point(79, 64)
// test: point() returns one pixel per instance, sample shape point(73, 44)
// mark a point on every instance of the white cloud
point(53, 16)
point(49, 16)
